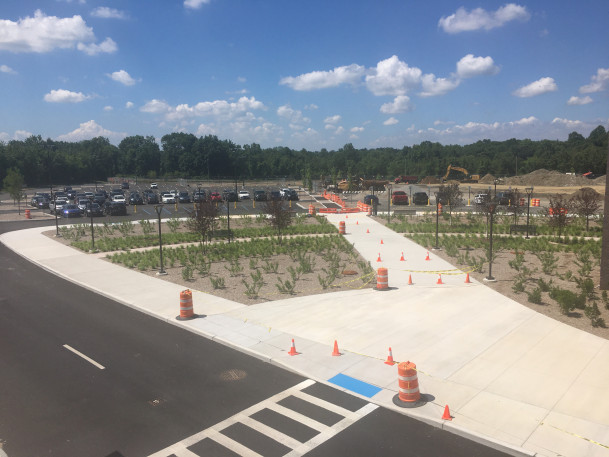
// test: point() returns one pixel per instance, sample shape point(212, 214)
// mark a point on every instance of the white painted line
point(80, 354)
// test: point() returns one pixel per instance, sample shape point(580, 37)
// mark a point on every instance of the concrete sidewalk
point(512, 377)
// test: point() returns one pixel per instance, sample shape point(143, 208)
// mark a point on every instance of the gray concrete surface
point(512, 377)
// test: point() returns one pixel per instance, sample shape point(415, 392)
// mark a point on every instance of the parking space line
point(88, 359)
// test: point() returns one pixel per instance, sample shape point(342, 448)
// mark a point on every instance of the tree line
point(184, 155)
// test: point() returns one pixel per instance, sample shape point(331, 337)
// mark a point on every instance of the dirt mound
point(543, 177)
point(579, 192)
point(430, 180)
point(487, 179)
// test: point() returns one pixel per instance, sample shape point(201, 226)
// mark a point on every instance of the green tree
point(13, 183)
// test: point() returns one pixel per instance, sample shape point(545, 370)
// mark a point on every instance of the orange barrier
point(382, 279)
point(292, 350)
point(439, 208)
point(341, 228)
point(410, 283)
point(27, 214)
point(389, 360)
point(535, 202)
point(402, 259)
point(335, 352)
point(446, 416)
point(439, 280)
point(408, 382)
point(186, 307)
point(311, 210)
point(522, 202)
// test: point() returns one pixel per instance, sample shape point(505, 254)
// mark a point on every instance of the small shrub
point(567, 300)
point(594, 314)
point(548, 260)
point(147, 226)
point(518, 286)
point(234, 267)
point(173, 224)
point(187, 273)
point(217, 283)
point(285, 287)
point(535, 296)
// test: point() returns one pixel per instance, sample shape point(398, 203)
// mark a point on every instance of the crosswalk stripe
point(231, 444)
point(322, 403)
point(312, 423)
point(278, 436)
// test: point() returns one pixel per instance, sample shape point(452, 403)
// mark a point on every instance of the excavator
point(466, 177)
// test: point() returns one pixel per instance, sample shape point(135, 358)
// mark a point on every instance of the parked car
point(71, 193)
point(99, 198)
point(215, 197)
point(119, 199)
point(35, 199)
point(90, 195)
point(291, 195)
point(369, 199)
point(57, 205)
point(150, 198)
point(244, 195)
point(399, 197)
point(183, 197)
point(125, 185)
point(83, 203)
point(504, 198)
point(112, 208)
point(481, 199)
point(70, 210)
point(230, 196)
point(168, 198)
point(284, 192)
point(275, 195)
point(198, 196)
point(260, 195)
point(94, 209)
point(154, 185)
point(135, 199)
point(114, 192)
point(420, 198)
point(43, 203)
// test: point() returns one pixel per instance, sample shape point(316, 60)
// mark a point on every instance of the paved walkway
point(512, 377)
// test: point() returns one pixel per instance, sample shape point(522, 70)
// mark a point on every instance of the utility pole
point(605, 243)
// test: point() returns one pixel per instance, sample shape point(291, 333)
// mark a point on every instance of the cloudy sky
point(315, 74)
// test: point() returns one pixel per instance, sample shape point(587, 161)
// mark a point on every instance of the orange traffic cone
point(367, 230)
point(446, 416)
point(402, 259)
point(410, 283)
point(382, 241)
point(293, 349)
point(467, 281)
point(379, 258)
point(439, 280)
point(335, 351)
point(356, 222)
point(427, 258)
point(347, 216)
point(389, 360)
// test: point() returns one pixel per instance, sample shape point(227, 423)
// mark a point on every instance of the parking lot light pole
point(491, 209)
point(529, 191)
point(159, 210)
point(437, 219)
point(56, 220)
point(90, 205)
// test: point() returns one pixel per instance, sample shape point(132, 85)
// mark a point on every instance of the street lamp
point(437, 218)
point(159, 210)
point(529, 191)
point(228, 215)
point(389, 203)
point(90, 206)
point(491, 210)
point(496, 181)
point(56, 220)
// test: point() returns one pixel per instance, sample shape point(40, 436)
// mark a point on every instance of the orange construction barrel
point(522, 202)
point(342, 230)
point(382, 279)
point(27, 214)
point(186, 307)
point(311, 210)
point(439, 208)
point(408, 382)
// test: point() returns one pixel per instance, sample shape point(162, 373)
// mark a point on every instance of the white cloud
point(122, 77)
point(89, 130)
point(392, 77)
point(108, 46)
point(333, 119)
point(579, 100)
point(391, 121)
point(470, 66)
point(65, 96)
point(43, 33)
point(311, 107)
point(340, 130)
point(568, 123)
point(108, 108)
point(129, 105)
point(19, 135)
point(351, 74)
point(433, 86)
point(476, 19)
point(541, 86)
point(297, 120)
point(7, 69)
point(108, 13)
point(195, 4)
point(600, 82)
point(356, 129)
point(400, 104)
point(155, 106)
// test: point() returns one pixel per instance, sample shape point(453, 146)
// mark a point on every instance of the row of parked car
point(228, 195)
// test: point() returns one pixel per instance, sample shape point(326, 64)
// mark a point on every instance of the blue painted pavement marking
point(355, 385)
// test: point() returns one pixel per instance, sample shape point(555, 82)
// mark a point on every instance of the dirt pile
point(543, 177)
point(487, 179)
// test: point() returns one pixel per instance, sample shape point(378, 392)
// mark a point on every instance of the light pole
point(388, 204)
point(491, 209)
point(228, 215)
point(496, 181)
point(529, 191)
point(56, 220)
point(90, 206)
point(159, 210)
point(437, 218)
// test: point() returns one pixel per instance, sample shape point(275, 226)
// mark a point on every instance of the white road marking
point(88, 359)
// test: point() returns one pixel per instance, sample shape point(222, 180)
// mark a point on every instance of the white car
point(244, 195)
point(168, 198)
point(154, 185)
point(119, 199)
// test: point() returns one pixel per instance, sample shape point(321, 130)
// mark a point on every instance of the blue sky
point(304, 74)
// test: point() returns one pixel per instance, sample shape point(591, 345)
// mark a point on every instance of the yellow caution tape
point(577, 436)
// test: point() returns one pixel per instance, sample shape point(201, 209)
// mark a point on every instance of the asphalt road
point(82, 375)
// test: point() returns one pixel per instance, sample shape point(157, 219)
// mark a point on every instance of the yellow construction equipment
point(466, 177)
